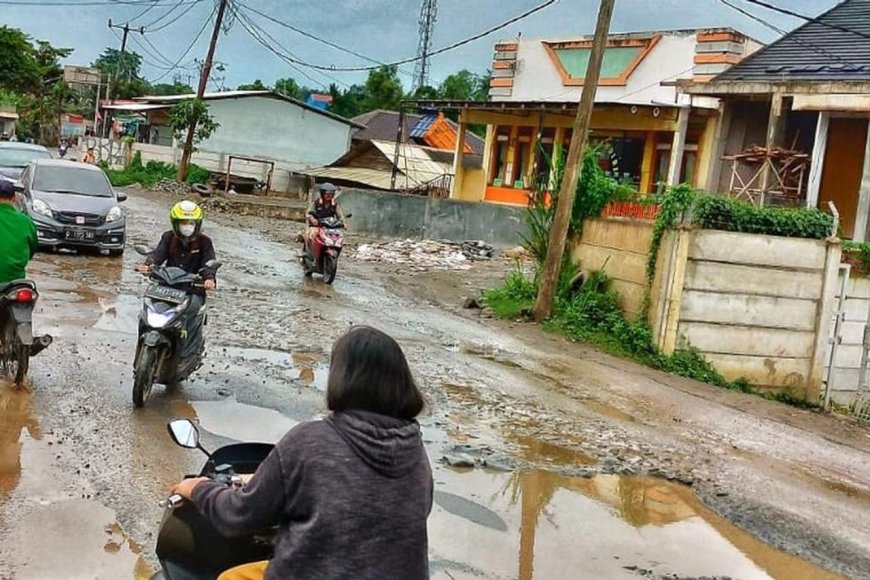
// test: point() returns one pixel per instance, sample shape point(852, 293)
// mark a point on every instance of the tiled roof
point(833, 47)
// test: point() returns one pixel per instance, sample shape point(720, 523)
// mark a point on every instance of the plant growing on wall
point(188, 112)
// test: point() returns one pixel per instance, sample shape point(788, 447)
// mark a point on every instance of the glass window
point(21, 156)
point(500, 155)
point(90, 182)
point(616, 60)
point(522, 157)
point(546, 147)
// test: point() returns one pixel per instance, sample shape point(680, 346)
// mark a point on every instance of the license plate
point(79, 235)
point(166, 294)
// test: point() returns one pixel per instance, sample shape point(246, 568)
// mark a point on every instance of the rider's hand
point(186, 487)
point(209, 284)
point(143, 268)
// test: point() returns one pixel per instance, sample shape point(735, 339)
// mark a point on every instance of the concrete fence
point(410, 216)
point(285, 178)
point(844, 378)
point(757, 307)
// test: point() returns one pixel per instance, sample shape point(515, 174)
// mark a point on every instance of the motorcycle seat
point(15, 284)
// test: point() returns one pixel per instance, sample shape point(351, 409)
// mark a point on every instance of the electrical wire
point(441, 50)
point(146, 11)
point(808, 19)
point(173, 21)
point(79, 3)
point(189, 48)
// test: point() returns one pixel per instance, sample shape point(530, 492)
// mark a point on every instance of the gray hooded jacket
point(350, 494)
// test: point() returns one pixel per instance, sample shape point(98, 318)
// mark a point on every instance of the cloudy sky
point(385, 30)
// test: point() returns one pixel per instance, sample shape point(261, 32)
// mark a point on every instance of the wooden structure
point(772, 173)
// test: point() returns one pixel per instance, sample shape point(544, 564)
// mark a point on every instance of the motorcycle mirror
point(213, 264)
point(142, 249)
point(184, 433)
point(348, 216)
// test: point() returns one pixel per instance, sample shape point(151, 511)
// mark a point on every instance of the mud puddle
point(539, 524)
point(309, 368)
point(241, 422)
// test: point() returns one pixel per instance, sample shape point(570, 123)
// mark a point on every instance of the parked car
point(14, 157)
point(73, 206)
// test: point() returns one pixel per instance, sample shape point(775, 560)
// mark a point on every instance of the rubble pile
point(172, 186)
point(216, 204)
point(425, 255)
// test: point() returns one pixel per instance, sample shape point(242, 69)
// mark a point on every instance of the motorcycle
point(320, 256)
point(163, 327)
point(62, 150)
point(188, 546)
point(17, 343)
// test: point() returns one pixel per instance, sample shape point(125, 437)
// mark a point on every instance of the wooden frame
point(645, 44)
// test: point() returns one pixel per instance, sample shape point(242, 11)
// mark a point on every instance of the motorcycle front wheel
point(330, 267)
point(143, 376)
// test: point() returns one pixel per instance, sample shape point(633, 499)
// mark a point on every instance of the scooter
point(163, 327)
point(17, 343)
point(188, 547)
point(322, 258)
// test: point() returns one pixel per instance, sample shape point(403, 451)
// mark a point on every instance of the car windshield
point(72, 180)
point(14, 157)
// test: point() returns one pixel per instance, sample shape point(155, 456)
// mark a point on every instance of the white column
point(817, 162)
point(678, 146)
point(860, 233)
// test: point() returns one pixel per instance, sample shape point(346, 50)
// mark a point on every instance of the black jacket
point(190, 255)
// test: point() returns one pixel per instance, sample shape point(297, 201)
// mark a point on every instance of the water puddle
point(309, 368)
point(241, 422)
point(558, 454)
point(18, 424)
point(540, 524)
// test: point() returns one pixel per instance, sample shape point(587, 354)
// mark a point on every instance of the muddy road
point(552, 460)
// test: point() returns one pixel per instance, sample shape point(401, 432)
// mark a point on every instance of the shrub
point(728, 214)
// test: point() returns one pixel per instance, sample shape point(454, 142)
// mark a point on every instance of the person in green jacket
point(17, 236)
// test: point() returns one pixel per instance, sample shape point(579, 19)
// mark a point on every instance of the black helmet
point(7, 189)
point(326, 188)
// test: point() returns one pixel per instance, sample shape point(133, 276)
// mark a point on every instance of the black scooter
point(163, 327)
point(17, 343)
point(188, 547)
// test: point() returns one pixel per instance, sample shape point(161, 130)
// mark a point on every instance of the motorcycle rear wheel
point(15, 358)
point(143, 376)
point(330, 267)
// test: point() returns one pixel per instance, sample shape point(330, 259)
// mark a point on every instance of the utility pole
point(111, 90)
point(567, 192)
point(200, 91)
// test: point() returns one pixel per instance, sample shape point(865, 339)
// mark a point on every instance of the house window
point(546, 148)
point(621, 157)
point(501, 146)
point(620, 59)
point(690, 160)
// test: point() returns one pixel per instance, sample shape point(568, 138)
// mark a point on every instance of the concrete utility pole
point(565, 203)
point(200, 91)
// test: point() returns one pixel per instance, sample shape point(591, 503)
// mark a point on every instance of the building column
point(509, 170)
point(719, 146)
point(775, 132)
point(817, 162)
point(860, 234)
point(459, 157)
point(678, 146)
point(647, 169)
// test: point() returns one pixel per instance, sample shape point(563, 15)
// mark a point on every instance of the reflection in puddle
point(603, 527)
point(16, 415)
point(241, 422)
point(534, 449)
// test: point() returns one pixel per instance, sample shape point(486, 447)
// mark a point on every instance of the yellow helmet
point(185, 211)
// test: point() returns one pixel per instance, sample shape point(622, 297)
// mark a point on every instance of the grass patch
point(514, 297)
point(151, 173)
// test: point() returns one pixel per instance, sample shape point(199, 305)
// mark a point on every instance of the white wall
point(847, 366)
point(276, 129)
point(537, 79)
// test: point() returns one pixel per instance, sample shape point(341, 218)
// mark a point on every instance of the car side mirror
point(122, 197)
point(18, 186)
point(184, 433)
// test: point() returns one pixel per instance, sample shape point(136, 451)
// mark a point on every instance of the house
point(374, 164)
point(8, 119)
point(258, 124)
point(430, 129)
point(639, 118)
point(808, 92)
point(319, 101)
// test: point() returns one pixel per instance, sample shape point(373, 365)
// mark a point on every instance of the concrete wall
point(408, 216)
point(620, 248)
point(847, 366)
point(756, 306)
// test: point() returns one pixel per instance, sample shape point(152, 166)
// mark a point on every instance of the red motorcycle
point(320, 256)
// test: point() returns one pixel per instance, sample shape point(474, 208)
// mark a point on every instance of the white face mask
point(187, 230)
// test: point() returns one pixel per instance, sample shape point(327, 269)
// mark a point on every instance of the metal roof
point(137, 107)
point(375, 178)
point(833, 47)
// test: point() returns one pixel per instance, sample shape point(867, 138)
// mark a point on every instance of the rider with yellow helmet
point(185, 247)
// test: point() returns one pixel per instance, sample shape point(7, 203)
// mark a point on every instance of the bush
point(515, 296)
point(149, 174)
point(728, 214)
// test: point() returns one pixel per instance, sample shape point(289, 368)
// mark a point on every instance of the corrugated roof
point(382, 126)
point(376, 178)
point(415, 163)
point(833, 47)
point(418, 131)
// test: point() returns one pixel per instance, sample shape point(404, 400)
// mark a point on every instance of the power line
point(806, 18)
point(189, 48)
point(176, 19)
point(810, 46)
point(146, 11)
point(442, 50)
point(79, 3)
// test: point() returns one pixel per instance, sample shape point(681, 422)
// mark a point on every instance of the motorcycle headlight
point(114, 214)
point(41, 208)
point(163, 318)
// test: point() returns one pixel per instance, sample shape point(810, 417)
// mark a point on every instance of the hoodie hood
point(390, 446)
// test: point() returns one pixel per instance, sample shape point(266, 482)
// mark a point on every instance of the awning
point(8, 115)
point(136, 107)
point(832, 103)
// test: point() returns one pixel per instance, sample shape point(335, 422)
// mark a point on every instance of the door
point(844, 169)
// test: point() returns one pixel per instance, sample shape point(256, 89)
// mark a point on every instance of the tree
point(464, 86)
point(290, 88)
point(124, 67)
point(383, 90)
point(347, 103)
point(19, 69)
point(166, 89)
point(186, 113)
point(257, 85)
point(425, 94)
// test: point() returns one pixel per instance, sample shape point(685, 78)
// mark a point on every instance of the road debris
point(425, 255)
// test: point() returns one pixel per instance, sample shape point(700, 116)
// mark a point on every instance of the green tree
point(289, 87)
point(19, 69)
point(166, 89)
point(123, 67)
point(464, 86)
point(383, 90)
point(257, 85)
point(425, 94)
point(187, 112)
point(347, 103)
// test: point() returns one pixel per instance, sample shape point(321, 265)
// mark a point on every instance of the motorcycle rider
point(17, 236)
point(185, 247)
point(325, 206)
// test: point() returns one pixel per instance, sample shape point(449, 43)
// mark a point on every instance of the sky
point(384, 30)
